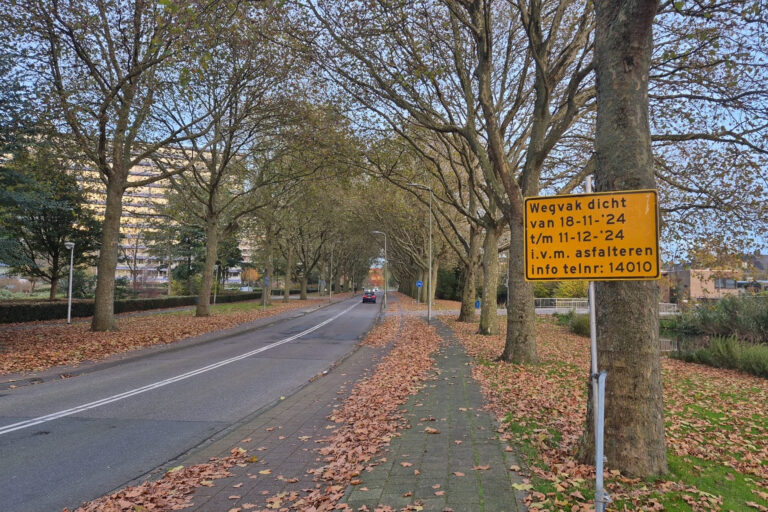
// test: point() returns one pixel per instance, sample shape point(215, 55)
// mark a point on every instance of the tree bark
point(104, 301)
point(489, 320)
point(54, 283)
point(468, 289)
point(520, 344)
point(433, 281)
point(627, 312)
point(270, 268)
point(168, 273)
point(206, 284)
point(304, 280)
point(288, 268)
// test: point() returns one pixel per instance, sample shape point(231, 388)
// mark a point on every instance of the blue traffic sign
point(266, 281)
point(419, 284)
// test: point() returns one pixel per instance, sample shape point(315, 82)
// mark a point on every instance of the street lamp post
point(386, 262)
point(429, 282)
point(71, 247)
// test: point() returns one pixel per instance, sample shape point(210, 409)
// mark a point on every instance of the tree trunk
point(304, 280)
point(433, 282)
point(104, 301)
point(627, 312)
point(168, 273)
point(288, 267)
point(337, 278)
point(489, 321)
point(270, 268)
point(54, 283)
point(520, 344)
point(206, 284)
point(468, 289)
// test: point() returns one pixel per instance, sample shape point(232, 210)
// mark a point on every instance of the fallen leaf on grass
point(458, 473)
point(522, 487)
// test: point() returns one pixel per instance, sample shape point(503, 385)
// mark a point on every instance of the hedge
point(39, 311)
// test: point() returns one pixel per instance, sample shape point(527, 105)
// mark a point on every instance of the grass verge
point(716, 428)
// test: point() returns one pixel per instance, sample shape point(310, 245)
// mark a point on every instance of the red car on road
point(369, 296)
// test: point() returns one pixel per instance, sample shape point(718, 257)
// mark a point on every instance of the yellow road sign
point(598, 237)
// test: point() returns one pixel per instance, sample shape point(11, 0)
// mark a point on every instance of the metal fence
point(665, 308)
point(555, 303)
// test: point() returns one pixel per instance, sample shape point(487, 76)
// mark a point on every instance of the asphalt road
point(68, 441)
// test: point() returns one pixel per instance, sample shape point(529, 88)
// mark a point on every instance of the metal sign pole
point(598, 396)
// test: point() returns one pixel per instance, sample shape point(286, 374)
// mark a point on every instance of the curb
point(65, 372)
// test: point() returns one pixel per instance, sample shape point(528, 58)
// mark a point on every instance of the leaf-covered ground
point(409, 304)
point(717, 428)
point(366, 422)
point(40, 348)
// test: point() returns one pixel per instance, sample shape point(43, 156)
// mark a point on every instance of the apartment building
point(141, 213)
point(141, 207)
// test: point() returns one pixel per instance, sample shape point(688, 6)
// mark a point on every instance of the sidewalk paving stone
point(451, 403)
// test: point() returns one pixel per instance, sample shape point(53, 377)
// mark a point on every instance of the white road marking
point(155, 385)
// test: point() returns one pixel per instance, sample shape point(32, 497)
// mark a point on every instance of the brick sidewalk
point(436, 471)
point(283, 436)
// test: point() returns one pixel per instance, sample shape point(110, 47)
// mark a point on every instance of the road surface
point(68, 441)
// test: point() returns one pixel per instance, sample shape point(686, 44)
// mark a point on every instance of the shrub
point(123, 288)
point(83, 285)
point(745, 317)
point(31, 312)
point(730, 352)
point(184, 287)
point(543, 290)
point(577, 323)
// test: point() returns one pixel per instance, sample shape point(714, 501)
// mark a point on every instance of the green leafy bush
point(576, 323)
point(184, 287)
point(745, 317)
point(83, 284)
point(730, 352)
point(544, 290)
